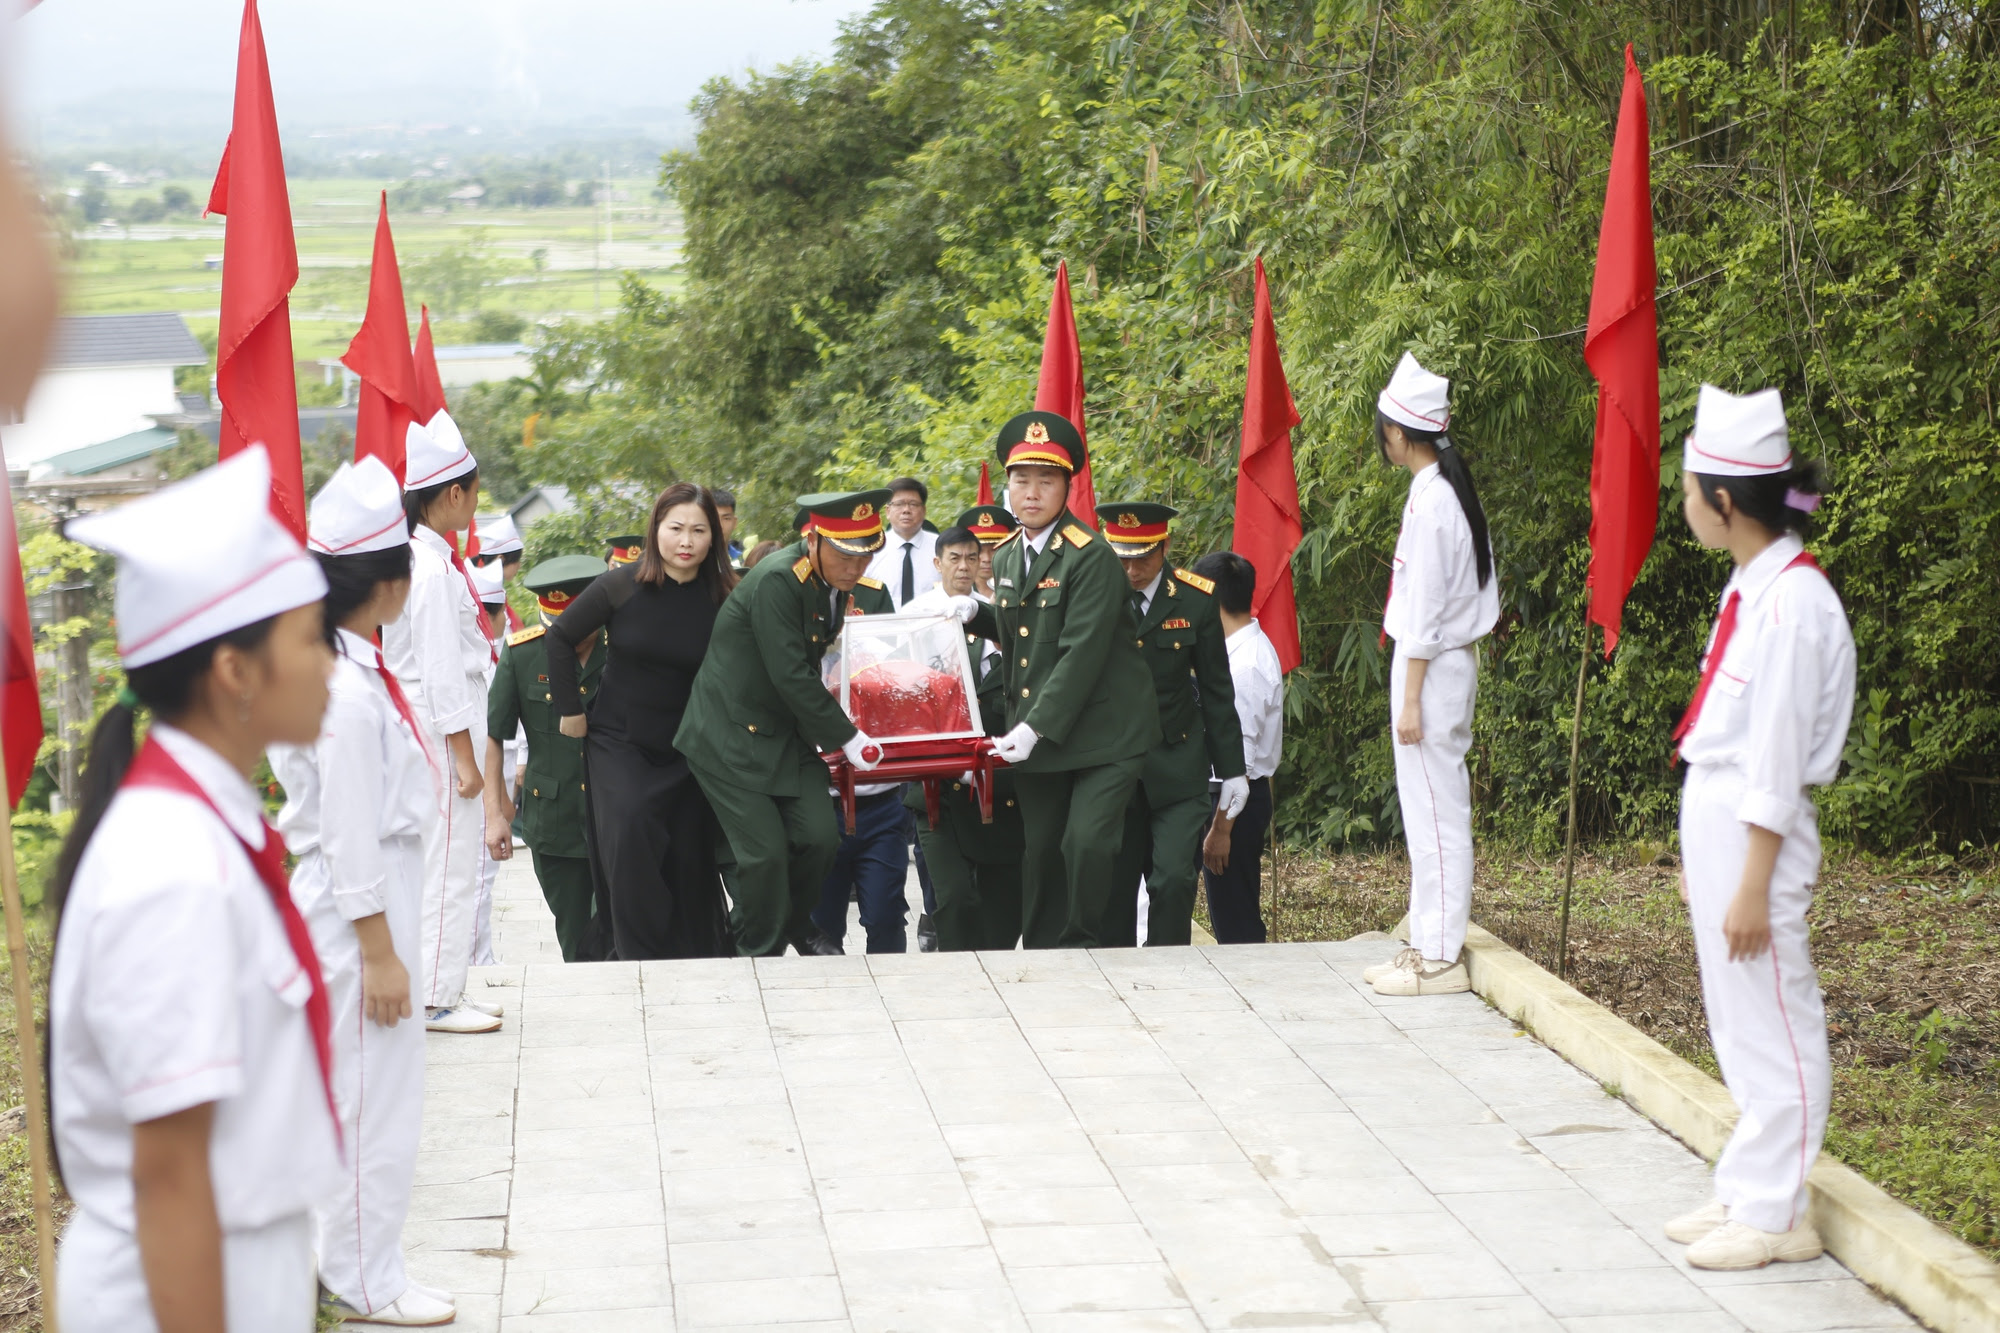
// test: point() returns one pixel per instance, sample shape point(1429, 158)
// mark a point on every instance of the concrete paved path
point(1171, 1139)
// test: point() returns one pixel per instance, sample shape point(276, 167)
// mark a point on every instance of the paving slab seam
point(1938, 1278)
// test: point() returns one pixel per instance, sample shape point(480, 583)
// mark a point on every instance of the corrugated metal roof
point(94, 458)
point(159, 339)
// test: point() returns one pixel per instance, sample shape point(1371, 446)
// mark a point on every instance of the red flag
point(20, 694)
point(429, 387)
point(1622, 349)
point(1061, 388)
point(380, 355)
point(985, 485)
point(254, 376)
point(1268, 524)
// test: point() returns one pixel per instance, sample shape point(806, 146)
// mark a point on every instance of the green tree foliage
point(871, 245)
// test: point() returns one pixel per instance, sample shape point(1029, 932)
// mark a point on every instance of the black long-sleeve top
point(658, 635)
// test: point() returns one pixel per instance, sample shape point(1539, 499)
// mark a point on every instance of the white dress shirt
point(1260, 698)
point(887, 565)
point(175, 986)
point(365, 782)
point(436, 648)
point(1435, 601)
point(1778, 707)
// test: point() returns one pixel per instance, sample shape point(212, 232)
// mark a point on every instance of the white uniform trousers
point(489, 871)
point(267, 1279)
point(451, 885)
point(378, 1075)
point(1766, 1018)
point(1436, 793)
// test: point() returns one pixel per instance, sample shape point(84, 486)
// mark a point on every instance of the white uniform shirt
point(1778, 707)
point(1150, 591)
point(1435, 601)
point(1260, 698)
point(175, 986)
point(366, 781)
point(888, 563)
point(436, 648)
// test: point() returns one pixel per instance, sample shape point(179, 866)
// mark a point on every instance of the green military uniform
point(1181, 638)
point(757, 717)
point(1074, 674)
point(553, 814)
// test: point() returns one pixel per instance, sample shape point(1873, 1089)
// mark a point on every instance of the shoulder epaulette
point(1077, 534)
point(803, 568)
point(1012, 536)
point(526, 635)
point(867, 582)
point(1196, 581)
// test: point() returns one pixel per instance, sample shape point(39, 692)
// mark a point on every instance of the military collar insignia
point(803, 568)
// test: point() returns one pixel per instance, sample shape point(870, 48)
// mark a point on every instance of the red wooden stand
point(922, 761)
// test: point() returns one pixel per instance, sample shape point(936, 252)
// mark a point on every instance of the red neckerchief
point(485, 621)
point(155, 767)
point(513, 620)
point(1725, 629)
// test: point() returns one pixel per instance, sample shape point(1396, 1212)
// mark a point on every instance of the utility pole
point(73, 695)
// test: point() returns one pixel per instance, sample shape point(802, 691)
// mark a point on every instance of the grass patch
point(1908, 955)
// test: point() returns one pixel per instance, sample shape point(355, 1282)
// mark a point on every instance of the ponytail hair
point(352, 579)
point(1451, 465)
point(1781, 501)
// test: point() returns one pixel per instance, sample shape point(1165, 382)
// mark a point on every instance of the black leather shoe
point(926, 934)
point(816, 943)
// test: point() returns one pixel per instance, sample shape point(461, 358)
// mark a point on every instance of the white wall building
point(108, 377)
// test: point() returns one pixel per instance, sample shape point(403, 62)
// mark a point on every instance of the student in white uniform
point(356, 807)
point(1443, 599)
point(489, 584)
point(189, 1028)
point(1766, 725)
point(440, 649)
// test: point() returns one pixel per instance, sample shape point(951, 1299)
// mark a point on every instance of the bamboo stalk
point(1575, 753)
point(31, 1082)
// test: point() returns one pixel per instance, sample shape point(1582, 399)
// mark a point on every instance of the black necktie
point(1138, 606)
point(909, 573)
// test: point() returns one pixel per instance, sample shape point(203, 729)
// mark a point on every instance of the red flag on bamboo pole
point(20, 692)
point(254, 375)
point(428, 400)
point(985, 496)
point(1061, 388)
point(380, 355)
point(1622, 349)
point(1268, 522)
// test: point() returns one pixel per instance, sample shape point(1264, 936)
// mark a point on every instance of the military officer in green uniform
point(1181, 638)
point(975, 866)
point(553, 815)
point(1081, 711)
point(759, 714)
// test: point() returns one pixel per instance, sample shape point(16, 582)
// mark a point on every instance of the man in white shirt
point(1233, 852)
point(907, 562)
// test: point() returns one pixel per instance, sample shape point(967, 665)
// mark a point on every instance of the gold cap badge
point(1128, 521)
point(863, 511)
point(1037, 433)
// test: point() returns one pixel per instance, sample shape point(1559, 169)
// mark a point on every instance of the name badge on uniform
point(541, 680)
point(1006, 583)
point(1049, 583)
point(1176, 623)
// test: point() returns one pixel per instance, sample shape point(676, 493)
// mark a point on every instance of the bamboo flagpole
point(1575, 754)
point(31, 1079)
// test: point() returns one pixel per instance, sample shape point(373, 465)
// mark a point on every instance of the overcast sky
point(372, 61)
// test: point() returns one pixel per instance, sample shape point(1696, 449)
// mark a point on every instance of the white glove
point(965, 608)
point(853, 750)
point(1235, 795)
point(1016, 745)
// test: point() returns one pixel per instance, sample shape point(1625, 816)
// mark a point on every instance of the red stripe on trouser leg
point(1765, 1015)
point(1435, 791)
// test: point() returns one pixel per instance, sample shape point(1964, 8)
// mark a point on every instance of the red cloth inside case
point(897, 698)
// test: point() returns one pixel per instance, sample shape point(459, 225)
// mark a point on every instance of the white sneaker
point(1427, 976)
point(413, 1309)
point(1734, 1246)
point(1405, 957)
point(1691, 1227)
point(491, 1008)
point(443, 1296)
point(459, 1019)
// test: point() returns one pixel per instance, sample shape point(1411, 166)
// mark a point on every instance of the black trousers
point(655, 840)
point(1233, 904)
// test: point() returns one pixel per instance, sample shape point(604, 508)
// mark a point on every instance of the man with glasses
point(907, 561)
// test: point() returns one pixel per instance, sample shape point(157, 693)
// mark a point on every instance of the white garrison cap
point(1738, 435)
point(435, 453)
point(499, 536)
point(201, 558)
point(489, 581)
point(1416, 398)
point(361, 509)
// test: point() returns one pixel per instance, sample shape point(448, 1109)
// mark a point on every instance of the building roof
point(158, 339)
point(94, 458)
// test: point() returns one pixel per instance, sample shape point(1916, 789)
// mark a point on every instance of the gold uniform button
point(753, 726)
point(1024, 691)
point(537, 791)
point(1024, 631)
point(1010, 800)
point(547, 698)
point(1024, 661)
